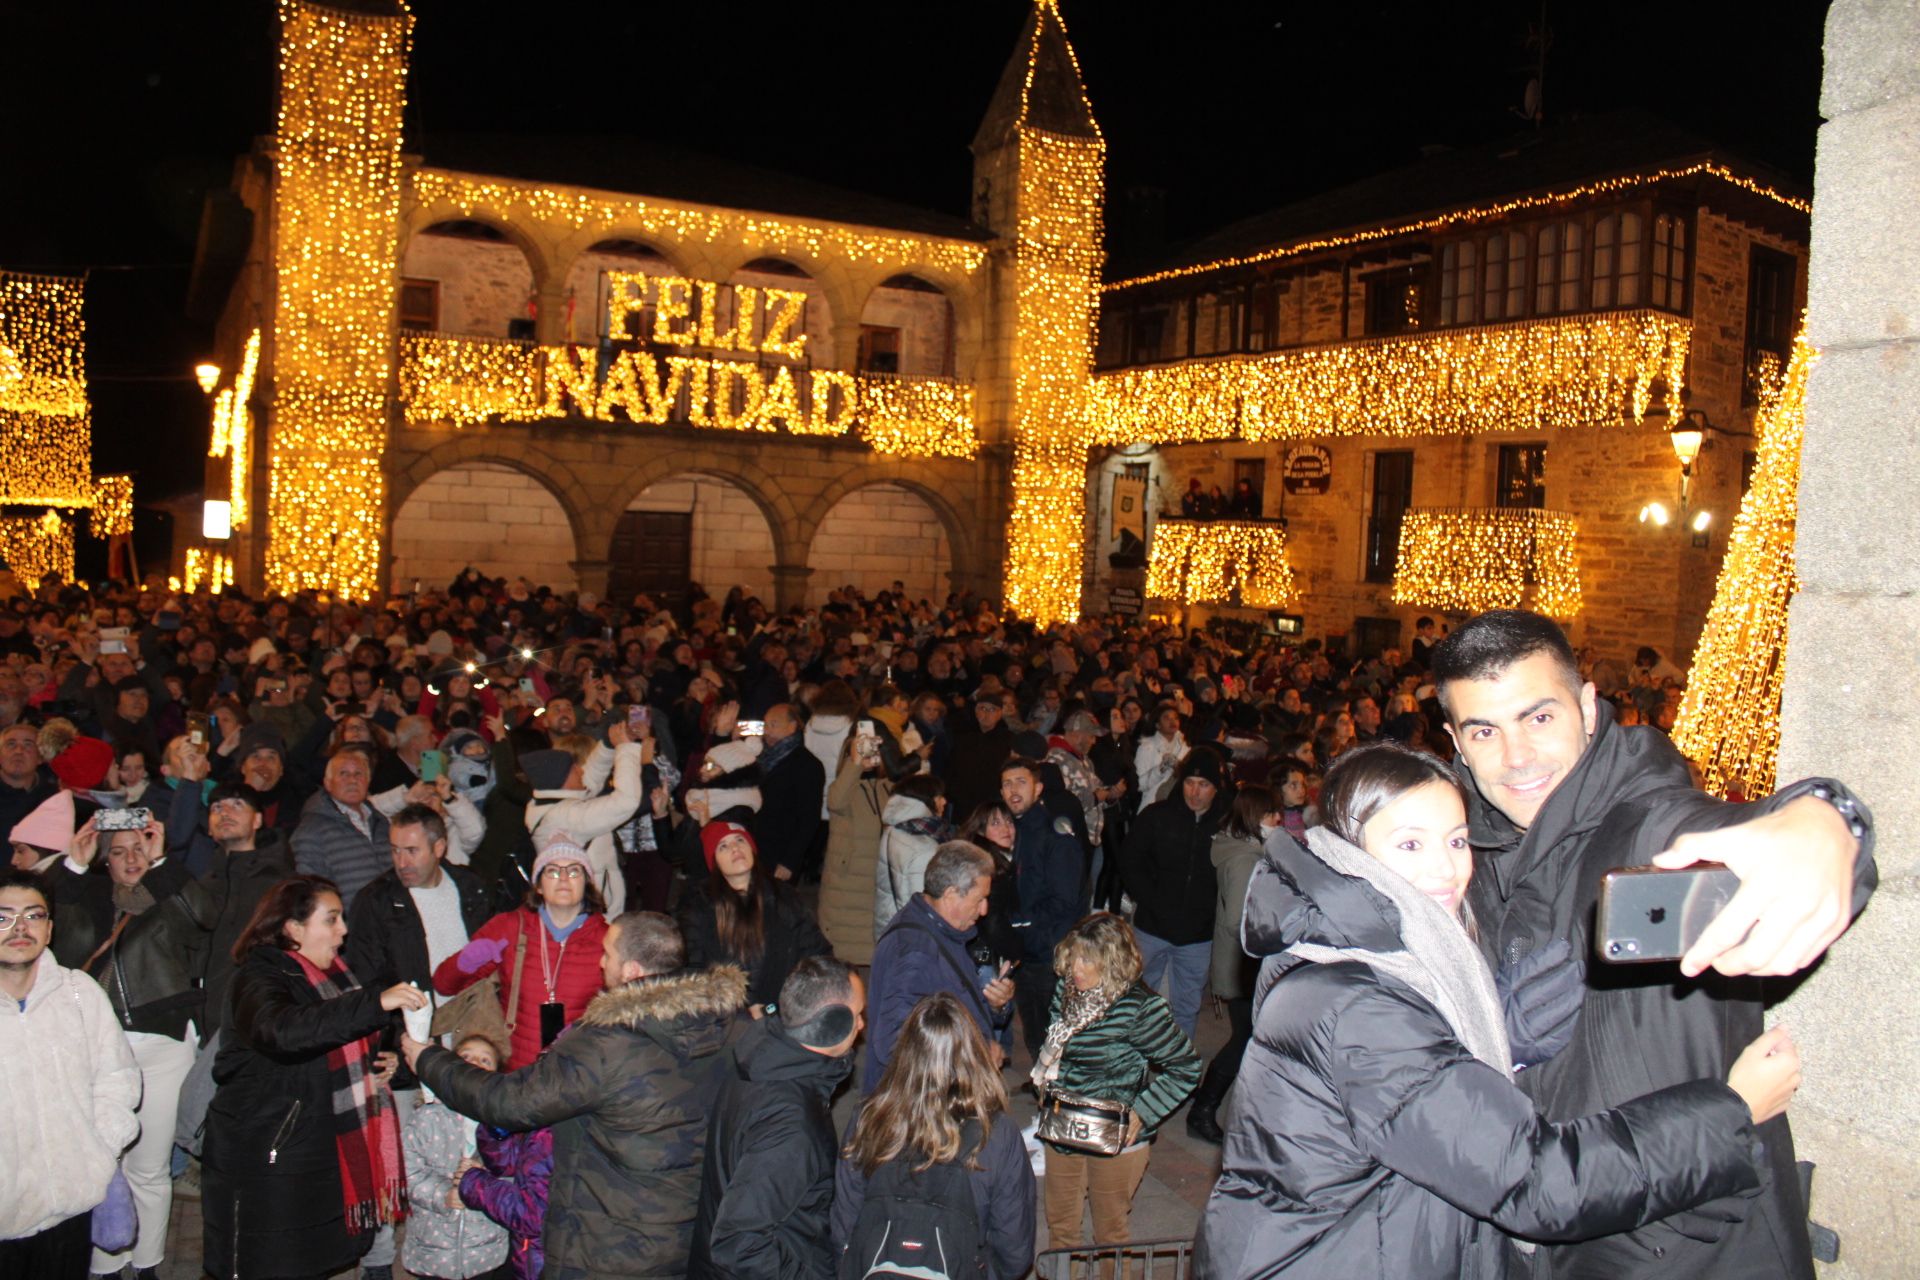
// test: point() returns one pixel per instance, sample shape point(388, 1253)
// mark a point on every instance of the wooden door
point(652, 552)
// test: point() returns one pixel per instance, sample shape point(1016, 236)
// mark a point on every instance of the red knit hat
point(714, 832)
point(83, 765)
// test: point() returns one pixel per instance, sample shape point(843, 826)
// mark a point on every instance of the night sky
point(121, 116)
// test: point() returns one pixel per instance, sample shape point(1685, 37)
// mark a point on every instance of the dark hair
point(739, 919)
point(1021, 762)
point(12, 877)
point(294, 898)
point(1367, 779)
point(1482, 647)
point(595, 901)
point(234, 791)
point(921, 786)
point(1250, 804)
point(650, 940)
point(815, 986)
point(420, 815)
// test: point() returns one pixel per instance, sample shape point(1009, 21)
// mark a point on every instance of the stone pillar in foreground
point(1853, 650)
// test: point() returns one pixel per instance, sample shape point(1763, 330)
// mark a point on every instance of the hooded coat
point(766, 1192)
point(855, 802)
point(1365, 1141)
point(1641, 1027)
point(625, 1093)
point(901, 871)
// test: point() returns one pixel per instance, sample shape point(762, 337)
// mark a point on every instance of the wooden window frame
point(416, 282)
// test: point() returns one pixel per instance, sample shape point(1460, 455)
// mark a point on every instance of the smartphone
point(639, 716)
point(526, 685)
point(433, 763)
point(752, 728)
point(122, 819)
point(553, 1020)
point(113, 640)
point(1647, 913)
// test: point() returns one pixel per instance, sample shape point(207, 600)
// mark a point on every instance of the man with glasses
point(68, 1109)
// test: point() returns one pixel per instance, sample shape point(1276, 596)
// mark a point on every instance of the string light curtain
point(1729, 721)
point(463, 381)
point(112, 514)
point(1553, 374)
point(46, 434)
point(1219, 561)
point(212, 568)
point(916, 417)
point(233, 432)
point(1469, 560)
point(336, 228)
point(35, 546)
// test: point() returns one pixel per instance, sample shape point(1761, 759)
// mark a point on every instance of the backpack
point(921, 1226)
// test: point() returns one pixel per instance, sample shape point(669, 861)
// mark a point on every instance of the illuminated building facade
point(1455, 383)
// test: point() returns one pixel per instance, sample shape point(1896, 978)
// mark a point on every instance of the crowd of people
point(497, 930)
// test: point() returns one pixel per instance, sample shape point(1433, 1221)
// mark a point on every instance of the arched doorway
point(691, 528)
point(501, 521)
point(466, 277)
point(875, 536)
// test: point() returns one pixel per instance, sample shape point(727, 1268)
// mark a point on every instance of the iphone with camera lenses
point(1648, 913)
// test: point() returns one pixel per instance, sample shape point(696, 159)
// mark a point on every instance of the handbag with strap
point(1088, 1125)
point(478, 1011)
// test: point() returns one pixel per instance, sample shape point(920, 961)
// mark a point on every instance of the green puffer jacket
point(1135, 1054)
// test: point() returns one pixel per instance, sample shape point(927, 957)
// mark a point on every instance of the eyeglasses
point(564, 871)
point(32, 915)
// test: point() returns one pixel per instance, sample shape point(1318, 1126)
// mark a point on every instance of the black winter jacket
point(151, 971)
point(627, 1091)
point(1364, 1141)
point(1046, 874)
point(387, 940)
point(271, 1199)
point(237, 882)
point(767, 1189)
point(1166, 866)
point(792, 934)
point(1642, 1027)
point(789, 813)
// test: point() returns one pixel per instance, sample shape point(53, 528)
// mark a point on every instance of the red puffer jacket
point(575, 965)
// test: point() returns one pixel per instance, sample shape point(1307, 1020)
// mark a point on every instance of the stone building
point(1467, 338)
point(612, 365)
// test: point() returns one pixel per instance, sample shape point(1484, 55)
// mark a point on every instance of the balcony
point(1471, 559)
point(1581, 370)
point(458, 381)
point(1221, 561)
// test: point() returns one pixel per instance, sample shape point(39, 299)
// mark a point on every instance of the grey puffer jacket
point(441, 1241)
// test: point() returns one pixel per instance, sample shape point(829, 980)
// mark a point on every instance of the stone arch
point(732, 540)
point(481, 289)
point(502, 518)
point(919, 318)
point(962, 547)
point(495, 449)
point(830, 304)
point(770, 494)
point(965, 315)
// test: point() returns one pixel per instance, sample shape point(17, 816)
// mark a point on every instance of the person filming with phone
point(1557, 795)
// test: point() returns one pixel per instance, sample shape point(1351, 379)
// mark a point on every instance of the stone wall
point(483, 283)
point(1851, 670)
point(499, 520)
point(874, 536)
point(732, 545)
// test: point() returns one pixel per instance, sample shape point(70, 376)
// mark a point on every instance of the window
point(1392, 495)
point(1394, 300)
point(1254, 472)
point(1505, 295)
point(1148, 333)
point(1668, 286)
point(879, 349)
point(1556, 268)
point(1522, 481)
point(420, 305)
point(1459, 289)
point(1263, 316)
point(1769, 315)
point(1616, 260)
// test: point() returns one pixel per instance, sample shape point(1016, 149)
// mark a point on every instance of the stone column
point(790, 585)
point(1850, 709)
point(592, 576)
point(550, 315)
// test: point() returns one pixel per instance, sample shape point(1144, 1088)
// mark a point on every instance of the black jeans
point(1225, 1067)
point(61, 1252)
point(1033, 984)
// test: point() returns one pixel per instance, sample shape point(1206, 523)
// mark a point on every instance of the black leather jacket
point(150, 971)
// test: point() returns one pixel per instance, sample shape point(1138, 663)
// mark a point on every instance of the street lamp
point(207, 374)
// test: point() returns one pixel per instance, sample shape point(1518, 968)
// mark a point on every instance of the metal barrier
point(1135, 1260)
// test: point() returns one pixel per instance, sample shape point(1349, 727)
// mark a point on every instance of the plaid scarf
point(366, 1133)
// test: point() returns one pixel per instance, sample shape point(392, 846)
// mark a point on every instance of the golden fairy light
point(112, 514)
point(1729, 721)
point(46, 435)
point(1581, 371)
point(204, 565)
point(337, 227)
point(233, 431)
point(36, 546)
point(1222, 561)
point(1468, 560)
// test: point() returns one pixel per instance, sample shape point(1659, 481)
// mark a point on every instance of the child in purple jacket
point(511, 1189)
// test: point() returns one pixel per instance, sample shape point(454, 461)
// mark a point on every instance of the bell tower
point(1038, 164)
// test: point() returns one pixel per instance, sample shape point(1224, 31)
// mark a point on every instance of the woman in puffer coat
point(1376, 1133)
point(855, 800)
point(915, 819)
point(447, 1239)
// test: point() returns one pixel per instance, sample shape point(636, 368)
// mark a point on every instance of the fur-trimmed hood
point(686, 993)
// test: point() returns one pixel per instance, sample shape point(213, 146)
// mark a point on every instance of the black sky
point(123, 115)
